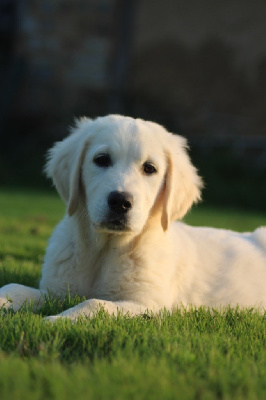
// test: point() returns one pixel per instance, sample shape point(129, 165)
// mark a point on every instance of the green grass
point(195, 354)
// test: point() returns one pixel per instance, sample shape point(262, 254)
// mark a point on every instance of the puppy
point(124, 182)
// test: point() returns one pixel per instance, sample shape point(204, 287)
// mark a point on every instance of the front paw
point(52, 318)
point(5, 302)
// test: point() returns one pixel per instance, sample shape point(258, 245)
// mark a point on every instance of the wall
point(197, 66)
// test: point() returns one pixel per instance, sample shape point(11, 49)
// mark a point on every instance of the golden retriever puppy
point(125, 181)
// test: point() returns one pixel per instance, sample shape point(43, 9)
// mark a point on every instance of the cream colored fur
point(152, 262)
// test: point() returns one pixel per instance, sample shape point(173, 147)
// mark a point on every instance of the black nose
point(120, 202)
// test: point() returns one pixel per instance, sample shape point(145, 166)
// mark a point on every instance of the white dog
point(125, 181)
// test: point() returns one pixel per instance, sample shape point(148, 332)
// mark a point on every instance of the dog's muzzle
point(119, 204)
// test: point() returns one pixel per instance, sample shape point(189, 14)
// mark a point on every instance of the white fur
point(153, 262)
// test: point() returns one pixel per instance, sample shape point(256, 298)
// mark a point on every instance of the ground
point(197, 354)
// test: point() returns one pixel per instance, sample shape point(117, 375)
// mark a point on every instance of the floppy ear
point(65, 162)
point(182, 183)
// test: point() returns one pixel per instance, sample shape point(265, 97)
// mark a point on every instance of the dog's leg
point(89, 308)
point(15, 295)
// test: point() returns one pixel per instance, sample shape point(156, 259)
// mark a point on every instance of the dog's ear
point(64, 163)
point(182, 183)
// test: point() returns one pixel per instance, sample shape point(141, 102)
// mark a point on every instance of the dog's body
point(124, 182)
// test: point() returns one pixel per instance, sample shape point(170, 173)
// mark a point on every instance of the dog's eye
point(102, 160)
point(149, 168)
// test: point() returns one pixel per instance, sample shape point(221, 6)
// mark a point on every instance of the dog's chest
point(115, 276)
point(107, 277)
point(123, 277)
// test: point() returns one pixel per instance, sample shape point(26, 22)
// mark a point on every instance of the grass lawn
point(195, 355)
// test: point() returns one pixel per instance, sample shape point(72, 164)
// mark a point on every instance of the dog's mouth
point(114, 223)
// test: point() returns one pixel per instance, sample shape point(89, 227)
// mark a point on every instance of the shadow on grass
point(19, 276)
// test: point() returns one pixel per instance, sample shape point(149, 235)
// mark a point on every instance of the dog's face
point(123, 173)
point(128, 168)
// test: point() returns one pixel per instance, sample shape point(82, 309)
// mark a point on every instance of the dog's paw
point(52, 318)
point(5, 302)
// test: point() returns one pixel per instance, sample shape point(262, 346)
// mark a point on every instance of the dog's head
point(127, 169)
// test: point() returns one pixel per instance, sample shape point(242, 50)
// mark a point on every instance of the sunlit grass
point(194, 354)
